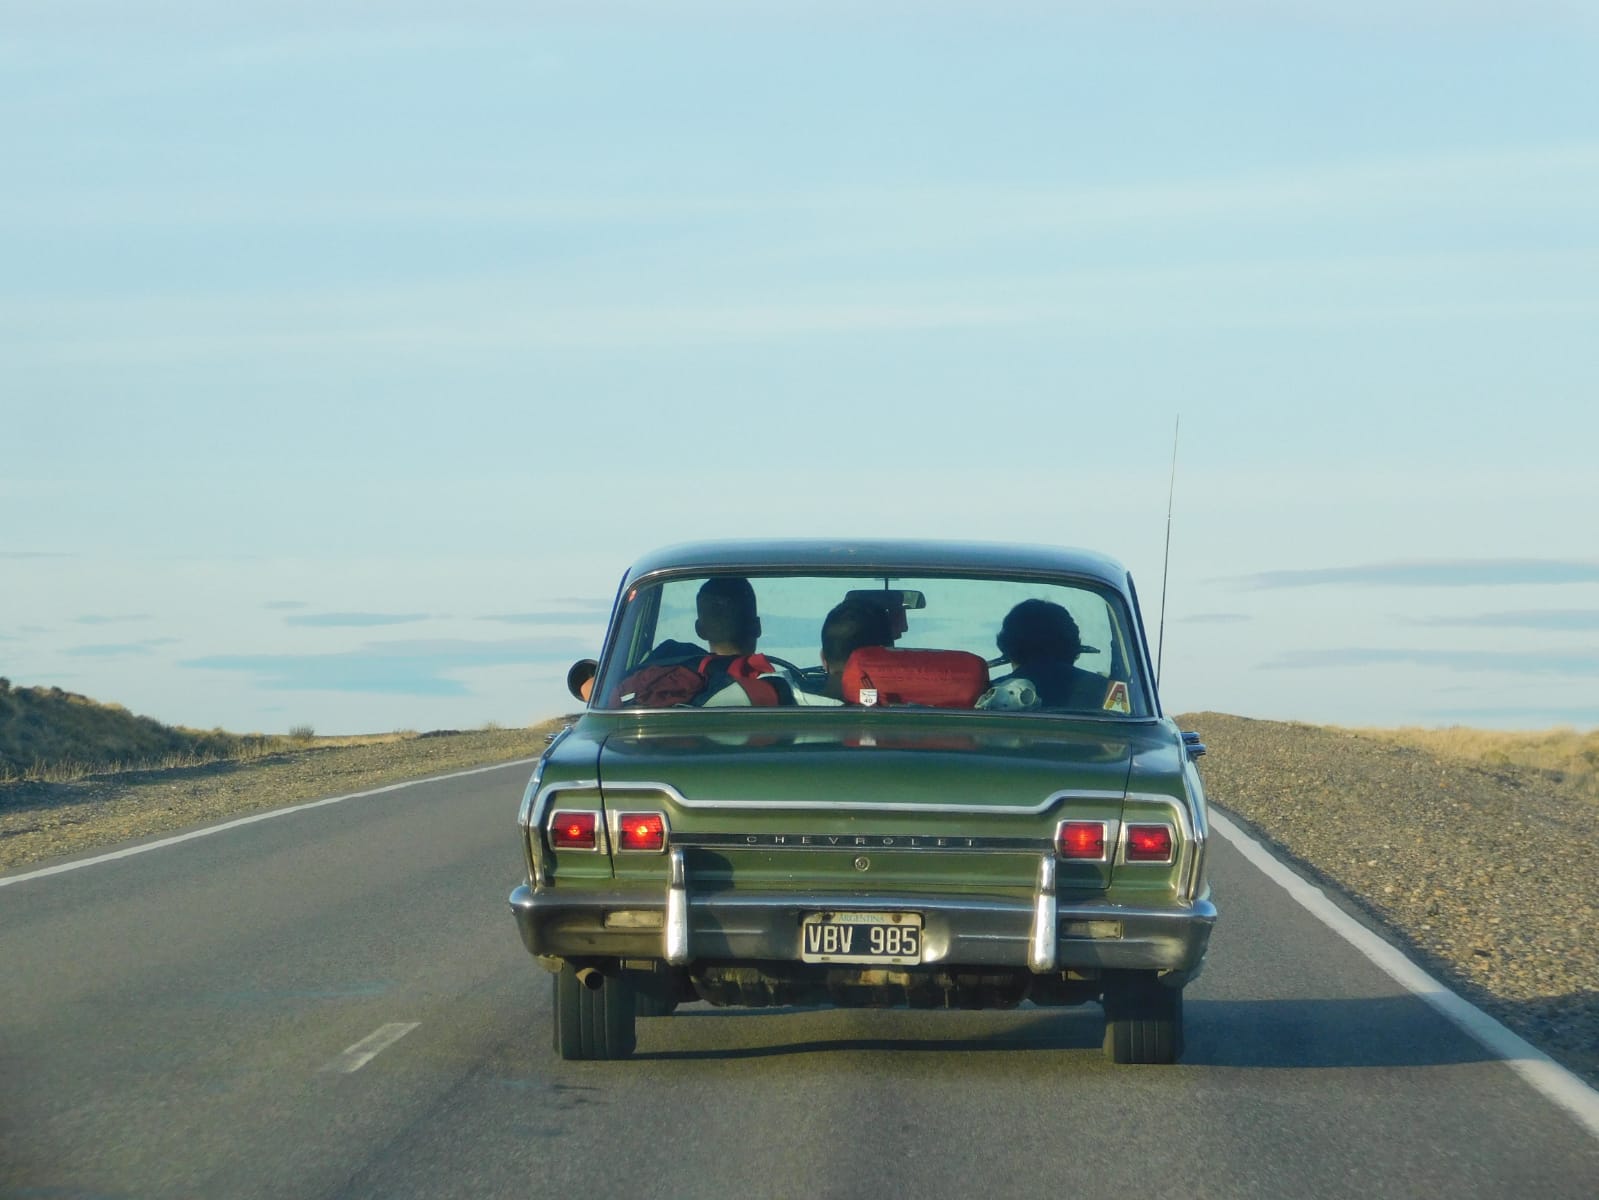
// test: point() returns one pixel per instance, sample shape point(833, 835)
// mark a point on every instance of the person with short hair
point(727, 618)
point(850, 625)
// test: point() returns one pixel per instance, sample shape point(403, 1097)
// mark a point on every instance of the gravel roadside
point(40, 821)
point(1487, 876)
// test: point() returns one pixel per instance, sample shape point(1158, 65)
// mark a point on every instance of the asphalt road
point(335, 1004)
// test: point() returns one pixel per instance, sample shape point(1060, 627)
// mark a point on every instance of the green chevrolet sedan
point(876, 773)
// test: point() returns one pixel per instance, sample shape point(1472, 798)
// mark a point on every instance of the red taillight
point(1148, 843)
point(575, 831)
point(640, 831)
point(1081, 840)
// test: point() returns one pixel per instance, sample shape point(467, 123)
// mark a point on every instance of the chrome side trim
point(676, 931)
point(524, 813)
point(1041, 942)
point(855, 806)
point(1196, 800)
point(532, 844)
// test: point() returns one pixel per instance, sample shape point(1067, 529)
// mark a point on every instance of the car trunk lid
point(873, 801)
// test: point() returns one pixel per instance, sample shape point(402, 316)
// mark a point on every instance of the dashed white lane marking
point(1533, 1065)
point(369, 1047)
point(146, 847)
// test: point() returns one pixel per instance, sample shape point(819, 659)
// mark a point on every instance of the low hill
point(47, 733)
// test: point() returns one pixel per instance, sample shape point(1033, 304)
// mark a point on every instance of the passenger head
point(727, 618)
point(851, 625)
point(1038, 631)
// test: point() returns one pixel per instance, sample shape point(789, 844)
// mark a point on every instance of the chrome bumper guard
point(677, 912)
point(1046, 925)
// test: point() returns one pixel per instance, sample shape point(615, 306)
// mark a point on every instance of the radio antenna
point(1160, 642)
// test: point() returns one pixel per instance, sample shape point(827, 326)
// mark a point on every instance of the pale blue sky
point(349, 351)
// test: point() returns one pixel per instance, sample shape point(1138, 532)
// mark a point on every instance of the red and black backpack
point(694, 681)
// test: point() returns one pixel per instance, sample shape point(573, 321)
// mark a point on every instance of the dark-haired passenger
point(727, 620)
point(849, 626)
point(1042, 643)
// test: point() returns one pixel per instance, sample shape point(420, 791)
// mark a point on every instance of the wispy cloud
point(1575, 663)
point(110, 619)
point(895, 217)
point(285, 604)
point(548, 618)
point(1220, 296)
point(355, 620)
point(119, 649)
point(1485, 572)
point(107, 650)
point(1570, 620)
point(416, 668)
point(1532, 714)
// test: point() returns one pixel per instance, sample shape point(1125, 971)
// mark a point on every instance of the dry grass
point(52, 736)
point(40, 821)
point(357, 739)
point(1565, 756)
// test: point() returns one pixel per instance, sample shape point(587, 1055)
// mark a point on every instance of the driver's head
point(726, 615)
point(1038, 631)
point(851, 625)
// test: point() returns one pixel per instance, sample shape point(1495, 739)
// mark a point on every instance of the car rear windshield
point(1001, 645)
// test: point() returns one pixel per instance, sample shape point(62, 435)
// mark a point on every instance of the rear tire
point(1143, 1023)
point(650, 1003)
point(593, 1023)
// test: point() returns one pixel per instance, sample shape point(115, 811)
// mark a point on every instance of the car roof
point(851, 556)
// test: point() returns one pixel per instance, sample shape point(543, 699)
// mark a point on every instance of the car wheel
point(1143, 1023)
point(593, 1022)
point(653, 1002)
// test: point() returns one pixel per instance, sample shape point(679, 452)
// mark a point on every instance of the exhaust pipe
point(591, 977)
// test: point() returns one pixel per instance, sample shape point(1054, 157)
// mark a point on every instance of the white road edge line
point(146, 847)
point(1533, 1065)
point(369, 1047)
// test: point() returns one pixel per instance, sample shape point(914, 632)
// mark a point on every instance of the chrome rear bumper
point(1044, 933)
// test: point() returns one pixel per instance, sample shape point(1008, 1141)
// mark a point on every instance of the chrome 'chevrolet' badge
point(854, 842)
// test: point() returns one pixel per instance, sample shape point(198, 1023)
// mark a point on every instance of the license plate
point(894, 938)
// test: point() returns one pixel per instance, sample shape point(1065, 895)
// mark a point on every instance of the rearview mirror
point(889, 597)
point(893, 601)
